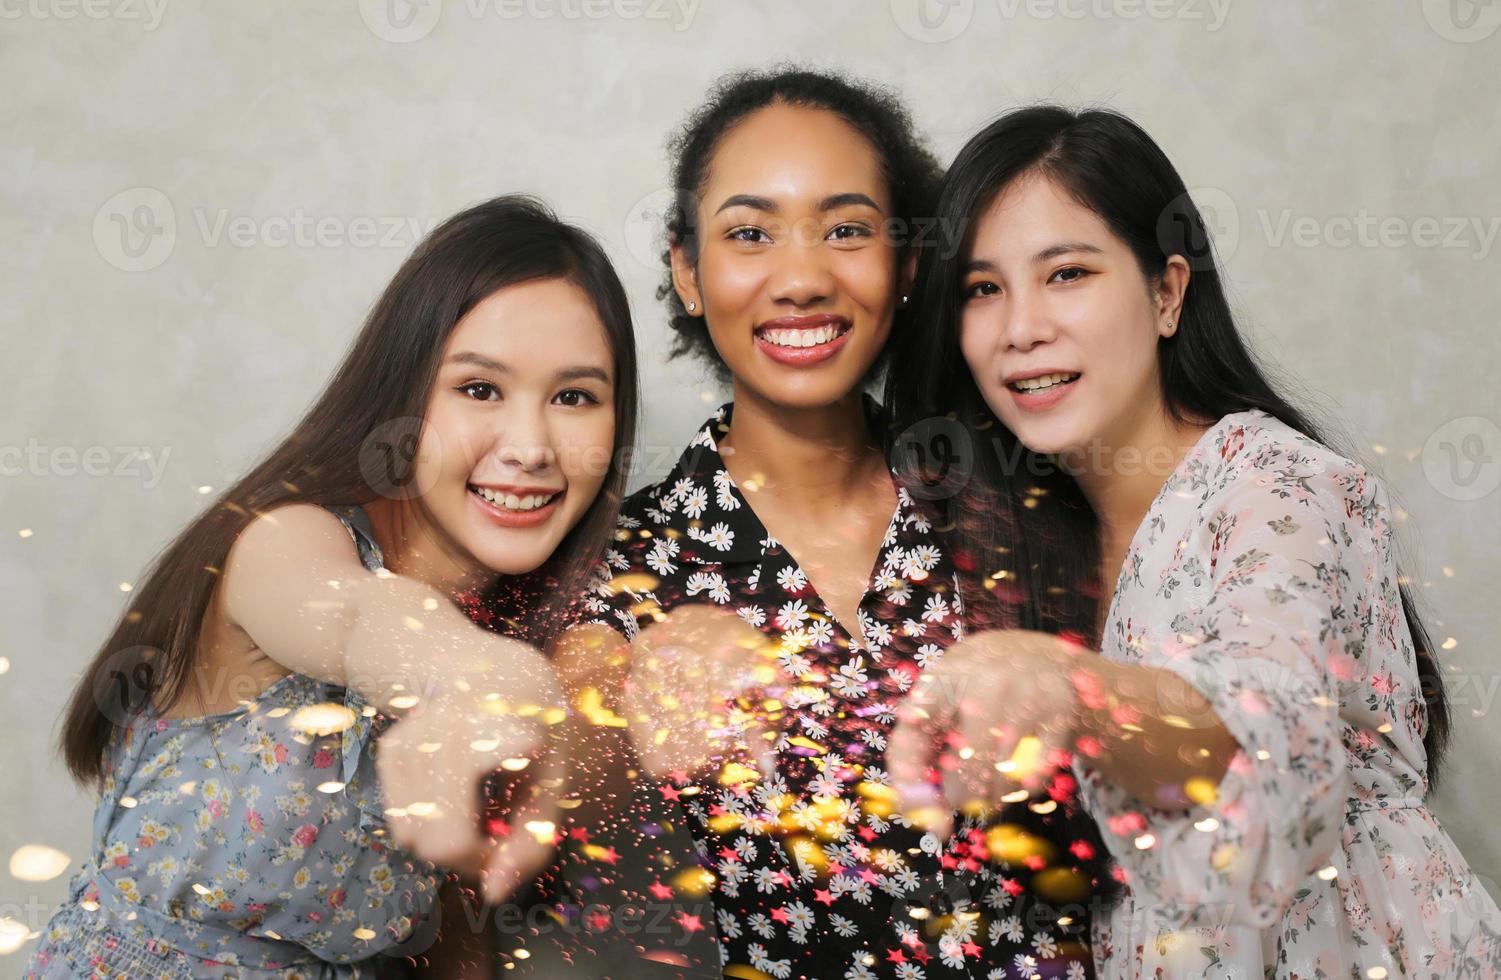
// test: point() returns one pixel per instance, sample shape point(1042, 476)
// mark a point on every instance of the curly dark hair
point(912, 172)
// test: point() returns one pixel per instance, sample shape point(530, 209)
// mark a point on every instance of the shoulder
point(1261, 462)
point(296, 532)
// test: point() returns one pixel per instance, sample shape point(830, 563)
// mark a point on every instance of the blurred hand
point(988, 717)
point(692, 698)
point(432, 763)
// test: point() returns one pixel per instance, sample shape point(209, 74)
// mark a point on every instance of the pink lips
point(517, 518)
point(802, 356)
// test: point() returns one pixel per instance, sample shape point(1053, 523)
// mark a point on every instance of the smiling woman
point(467, 444)
point(1219, 645)
point(784, 593)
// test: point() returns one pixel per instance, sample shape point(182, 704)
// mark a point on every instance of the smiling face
point(1060, 327)
point(794, 274)
point(519, 427)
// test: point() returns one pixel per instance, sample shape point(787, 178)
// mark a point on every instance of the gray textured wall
point(199, 202)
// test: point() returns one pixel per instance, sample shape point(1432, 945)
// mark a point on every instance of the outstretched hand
point(988, 719)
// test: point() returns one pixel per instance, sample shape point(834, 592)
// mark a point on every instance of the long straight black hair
point(382, 386)
point(1017, 504)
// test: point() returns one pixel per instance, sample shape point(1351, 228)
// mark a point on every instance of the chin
point(513, 561)
point(808, 390)
point(1043, 438)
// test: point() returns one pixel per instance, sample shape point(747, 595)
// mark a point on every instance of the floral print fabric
point(1263, 574)
point(814, 874)
point(243, 844)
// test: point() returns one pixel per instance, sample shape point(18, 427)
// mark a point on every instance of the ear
point(685, 280)
point(1170, 289)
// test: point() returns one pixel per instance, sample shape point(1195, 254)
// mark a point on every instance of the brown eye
point(574, 397)
point(749, 235)
point(480, 391)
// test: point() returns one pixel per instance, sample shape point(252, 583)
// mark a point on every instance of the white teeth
point(512, 502)
point(801, 338)
point(1046, 381)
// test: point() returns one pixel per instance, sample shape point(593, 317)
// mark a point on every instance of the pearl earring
point(692, 306)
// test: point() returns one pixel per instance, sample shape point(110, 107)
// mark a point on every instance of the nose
point(801, 276)
point(1026, 322)
point(524, 441)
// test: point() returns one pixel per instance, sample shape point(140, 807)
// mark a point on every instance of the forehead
point(1034, 212)
point(788, 152)
point(540, 322)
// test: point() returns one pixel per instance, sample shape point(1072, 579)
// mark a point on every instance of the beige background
point(200, 201)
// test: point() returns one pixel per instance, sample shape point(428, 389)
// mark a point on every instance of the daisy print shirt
point(1263, 574)
point(813, 872)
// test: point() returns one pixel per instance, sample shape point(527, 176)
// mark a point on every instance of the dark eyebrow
point(1051, 252)
point(766, 204)
point(845, 200)
point(749, 201)
point(1063, 248)
point(565, 374)
point(576, 373)
point(478, 360)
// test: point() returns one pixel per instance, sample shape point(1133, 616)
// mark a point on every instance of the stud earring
point(904, 299)
point(692, 306)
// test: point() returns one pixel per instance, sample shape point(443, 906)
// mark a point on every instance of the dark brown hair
point(358, 442)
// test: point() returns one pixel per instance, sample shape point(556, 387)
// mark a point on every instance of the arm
point(1287, 608)
point(295, 585)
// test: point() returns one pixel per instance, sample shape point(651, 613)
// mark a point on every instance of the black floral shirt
point(813, 873)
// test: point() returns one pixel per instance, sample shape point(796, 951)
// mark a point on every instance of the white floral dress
point(1263, 574)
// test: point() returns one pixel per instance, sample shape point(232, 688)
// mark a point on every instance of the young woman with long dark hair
point(236, 720)
point(1264, 716)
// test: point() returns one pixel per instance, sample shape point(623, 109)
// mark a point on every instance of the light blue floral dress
point(246, 844)
point(1263, 574)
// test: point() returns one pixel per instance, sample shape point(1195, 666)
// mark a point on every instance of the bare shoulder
point(297, 532)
